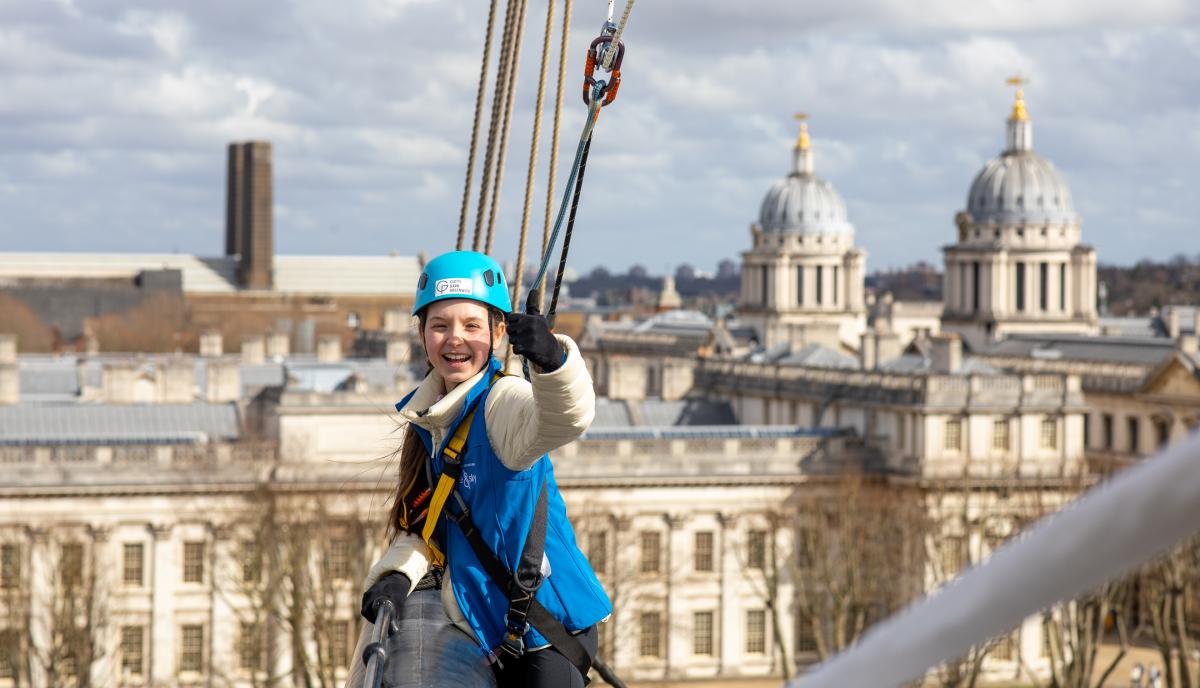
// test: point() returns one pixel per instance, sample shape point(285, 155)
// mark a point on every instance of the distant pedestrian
point(1155, 676)
point(1135, 675)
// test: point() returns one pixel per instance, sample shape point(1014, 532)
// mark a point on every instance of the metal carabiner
point(589, 70)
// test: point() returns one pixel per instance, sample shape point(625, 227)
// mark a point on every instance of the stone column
point(164, 577)
point(40, 582)
point(107, 635)
point(724, 626)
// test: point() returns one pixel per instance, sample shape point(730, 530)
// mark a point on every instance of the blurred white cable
point(1117, 525)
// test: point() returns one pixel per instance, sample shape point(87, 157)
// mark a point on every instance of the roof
point(1134, 350)
point(916, 363)
point(55, 379)
point(815, 355)
point(118, 423)
point(620, 413)
point(292, 274)
point(709, 432)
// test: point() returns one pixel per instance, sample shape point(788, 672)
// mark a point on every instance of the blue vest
point(502, 503)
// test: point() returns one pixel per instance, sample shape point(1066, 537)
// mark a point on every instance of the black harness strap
point(524, 609)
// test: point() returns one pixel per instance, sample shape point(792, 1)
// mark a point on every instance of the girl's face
point(458, 340)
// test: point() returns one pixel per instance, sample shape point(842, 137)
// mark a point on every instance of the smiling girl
point(477, 513)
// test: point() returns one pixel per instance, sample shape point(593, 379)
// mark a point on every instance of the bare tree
point(1168, 594)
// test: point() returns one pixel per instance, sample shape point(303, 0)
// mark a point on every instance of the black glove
point(394, 587)
point(530, 336)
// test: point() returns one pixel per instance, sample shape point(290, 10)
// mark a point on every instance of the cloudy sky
point(114, 116)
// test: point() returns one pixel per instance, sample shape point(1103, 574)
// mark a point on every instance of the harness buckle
point(513, 643)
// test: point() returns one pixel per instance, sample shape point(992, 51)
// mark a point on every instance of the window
point(191, 654)
point(339, 644)
point(953, 554)
point(1043, 286)
point(1162, 432)
point(953, 439)
point(766, 282)
point(834, 294)
point(756, 549)
point(1087, 430)
point(1049, 433)
point(1020, 286)
point(193, 562)
point(132, 650)
point(338, 559)
point(806, 544)
point(132, 563)
point(702, 633)
point(704, 551)
point(10, 646)
point(1062, 295)
point(820, 287)
point(598, 550)
point(70, 565)
point(650, 636)
point(756, 631)
point(800, 285)
point(1000, 434)
point(1133, 427)
point(806, 640)
point(250, 647)
point(1003, 648)
point(975, 287)
point(651, 552)
point(10, 566)
point(252, 560)
point(1106, 424)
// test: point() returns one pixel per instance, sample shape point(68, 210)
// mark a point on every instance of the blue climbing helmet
point(463, 275)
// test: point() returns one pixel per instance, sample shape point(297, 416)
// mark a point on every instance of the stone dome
point(803, 203)
point(1019, 186)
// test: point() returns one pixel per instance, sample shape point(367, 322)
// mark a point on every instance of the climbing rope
point(562, 262)
point(558, 101)
point(611, 54)
point(533, 146)
point(483, 68)
point(509, 100)
point(497, 103)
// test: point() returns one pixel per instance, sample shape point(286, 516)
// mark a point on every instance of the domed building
point(1018, 265)
point(802, 279)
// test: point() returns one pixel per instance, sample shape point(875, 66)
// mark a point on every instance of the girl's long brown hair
point(412, 450)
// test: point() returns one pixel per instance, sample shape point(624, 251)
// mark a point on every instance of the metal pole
point(375, 653)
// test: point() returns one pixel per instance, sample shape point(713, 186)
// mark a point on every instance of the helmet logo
point(455, 285)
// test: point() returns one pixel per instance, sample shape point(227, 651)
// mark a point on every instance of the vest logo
point(454, 285)
point(467, 480)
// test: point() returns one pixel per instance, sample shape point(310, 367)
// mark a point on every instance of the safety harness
point(519, 586)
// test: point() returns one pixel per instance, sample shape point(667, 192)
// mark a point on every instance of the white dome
point(1019, 186)
point(803, 203)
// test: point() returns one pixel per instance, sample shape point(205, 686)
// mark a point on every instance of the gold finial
point(802, 142)
point(1018, 114)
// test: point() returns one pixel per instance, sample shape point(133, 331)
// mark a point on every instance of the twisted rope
point(501, 79)
point(533, 149)
point(558, 101)
point(509, 100)
point(487, 53)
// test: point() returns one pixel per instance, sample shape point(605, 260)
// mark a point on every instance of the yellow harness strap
point(445, 485)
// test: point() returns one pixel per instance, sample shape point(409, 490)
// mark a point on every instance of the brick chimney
point(249, 231)
point(10, 374)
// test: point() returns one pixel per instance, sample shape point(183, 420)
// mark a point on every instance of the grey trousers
point(427, 652)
